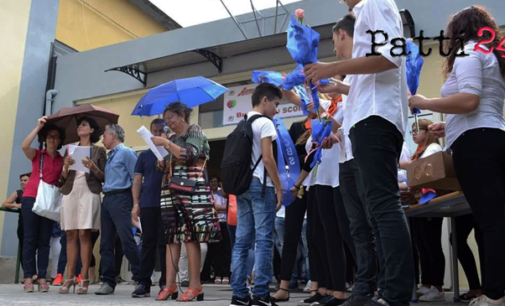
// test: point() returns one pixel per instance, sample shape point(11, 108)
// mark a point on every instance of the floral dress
point(187, 217)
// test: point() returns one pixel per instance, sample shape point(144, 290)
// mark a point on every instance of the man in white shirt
point(351, 183)
point(256, 208)
point(377, 111)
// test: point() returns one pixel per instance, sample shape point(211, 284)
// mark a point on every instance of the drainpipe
point(49, 101)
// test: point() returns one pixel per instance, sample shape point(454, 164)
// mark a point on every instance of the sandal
point(65, 289)
point(28, 287)
point(166, 293)
point(197, 294)
point(43, 287)
point(274, 300)
point(82, 289)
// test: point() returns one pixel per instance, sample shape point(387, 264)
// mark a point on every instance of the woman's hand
point(438, 129)
point(41, 122)
point(69, 161)
point(419, 102)
point(160, 141)
point(88, 163)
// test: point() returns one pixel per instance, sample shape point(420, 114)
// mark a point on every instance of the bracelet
point(297, 187)
point(169, 144)
point(135, 205)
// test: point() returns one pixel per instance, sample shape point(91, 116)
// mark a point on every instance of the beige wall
point(90, 24)
point(14, 17)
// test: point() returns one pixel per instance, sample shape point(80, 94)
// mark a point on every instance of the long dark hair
point(97, 133)
point(430, 138)
point(468, 22)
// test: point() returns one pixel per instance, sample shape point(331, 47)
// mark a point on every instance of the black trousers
point(221, 253)
point(295, 215)
point(479, 163)
point(116, 219)
point(465, 225)
point(417, 273)
point(334, 262)
point(36, 241)
point(376, 146)
point(428, 238)
point(153, 238)
point(317, 244)
point(361, 228)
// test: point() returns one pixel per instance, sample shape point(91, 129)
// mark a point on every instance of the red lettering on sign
point(246, 91)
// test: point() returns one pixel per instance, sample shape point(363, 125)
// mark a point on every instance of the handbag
point(182, 185)
point(48, 200)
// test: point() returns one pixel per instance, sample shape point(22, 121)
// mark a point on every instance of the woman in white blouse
point(472, 98)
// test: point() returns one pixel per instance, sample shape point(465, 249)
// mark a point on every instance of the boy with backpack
point(250, 172)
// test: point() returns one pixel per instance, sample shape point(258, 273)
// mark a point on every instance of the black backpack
point(236, 164)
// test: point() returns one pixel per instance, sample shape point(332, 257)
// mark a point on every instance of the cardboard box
point(435, 171)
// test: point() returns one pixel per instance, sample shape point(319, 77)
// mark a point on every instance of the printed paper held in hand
point(79, 154)
point(159, 152)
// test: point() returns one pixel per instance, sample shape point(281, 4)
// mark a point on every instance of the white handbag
point(47, 203)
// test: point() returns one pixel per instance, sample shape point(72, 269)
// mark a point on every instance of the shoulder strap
point(253, 118)
point(41, 164)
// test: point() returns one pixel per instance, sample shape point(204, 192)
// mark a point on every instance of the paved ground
point(214, 295)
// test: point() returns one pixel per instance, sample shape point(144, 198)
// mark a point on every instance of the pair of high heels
point(172, 293)
point(81, 290)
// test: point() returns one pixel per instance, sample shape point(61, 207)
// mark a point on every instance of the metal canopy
point(217, 55)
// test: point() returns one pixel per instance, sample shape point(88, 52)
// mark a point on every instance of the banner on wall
point(237, 102)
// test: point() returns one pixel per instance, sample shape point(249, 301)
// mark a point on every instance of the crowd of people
point(346, 224)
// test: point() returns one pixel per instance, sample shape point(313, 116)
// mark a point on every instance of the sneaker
point(323, 301)
point(358, 300)
point(141, 291)
point(333, 301)
point(433, 295)
point(309, 301)
point(106, 289)
point(376, 301)
point(466, 298)
point(237, 301)
point(261, 301)
point(308, 287)
point(485, 301)
point(58, 280)
point(423, 290)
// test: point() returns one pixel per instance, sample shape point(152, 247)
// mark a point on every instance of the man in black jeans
point(146, 203)
point(377, 113)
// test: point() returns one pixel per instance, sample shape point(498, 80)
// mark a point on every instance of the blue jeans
point(250, 255)
point(255, 217)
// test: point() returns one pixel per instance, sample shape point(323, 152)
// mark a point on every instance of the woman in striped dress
point(188, 215)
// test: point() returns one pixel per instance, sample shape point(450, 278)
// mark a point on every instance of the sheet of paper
point(79, 154)
point(159, 152)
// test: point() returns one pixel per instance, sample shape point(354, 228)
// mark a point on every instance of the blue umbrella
point(191, 91)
